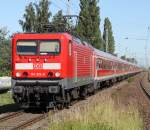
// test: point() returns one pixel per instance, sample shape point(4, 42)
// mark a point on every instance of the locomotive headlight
point(18, 74)
point(37, 59)
point(30, 60)
point(45, 60)
point(57, 74)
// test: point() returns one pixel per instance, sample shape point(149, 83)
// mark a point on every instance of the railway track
point(29, 122)
point(25, 121)
point(145, 84)
point(20, 120)
point(10, 116)
point(148, 76)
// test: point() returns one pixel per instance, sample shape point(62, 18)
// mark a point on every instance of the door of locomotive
point(75, 66)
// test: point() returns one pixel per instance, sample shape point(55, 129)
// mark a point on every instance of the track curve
point(145, 83)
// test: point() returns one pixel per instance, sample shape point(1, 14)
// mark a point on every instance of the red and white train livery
point(51, 69)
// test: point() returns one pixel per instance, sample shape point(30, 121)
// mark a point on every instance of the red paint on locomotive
point(63, 64)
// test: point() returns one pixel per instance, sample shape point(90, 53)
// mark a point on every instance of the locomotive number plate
point(37, 66)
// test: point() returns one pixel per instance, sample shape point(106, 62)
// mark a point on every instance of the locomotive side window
point(70, 48)
point(26, 48)
point(49, 47)
point(98, 64)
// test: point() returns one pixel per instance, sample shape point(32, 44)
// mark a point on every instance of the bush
point(6, 98)
point(97, 115)
point(5, 58)
point(130, 80)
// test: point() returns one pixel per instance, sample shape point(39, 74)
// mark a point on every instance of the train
point(52, 69)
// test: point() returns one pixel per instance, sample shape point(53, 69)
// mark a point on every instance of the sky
point(130, 21)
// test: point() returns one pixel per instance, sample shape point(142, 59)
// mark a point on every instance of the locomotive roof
point(111, 57)
point(19, 34)
point(101, 53)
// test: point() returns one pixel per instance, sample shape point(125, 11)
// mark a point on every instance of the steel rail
point(30, 122)
point(145, 87)
point(9, 116)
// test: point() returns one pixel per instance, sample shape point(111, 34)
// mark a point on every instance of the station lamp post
point(146, 47)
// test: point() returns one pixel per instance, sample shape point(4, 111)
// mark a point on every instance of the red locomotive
point(53, 69)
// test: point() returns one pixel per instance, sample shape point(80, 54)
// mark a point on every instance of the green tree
point(58, 22)
point(123, 57)
point(108, 35)
point(3, 33)
point(28, 25)
point(83, 28)
point(43, 15)
point(36, 16)
point(89, 22)
point(132, 60)
point(5, 52)
point(94, 12)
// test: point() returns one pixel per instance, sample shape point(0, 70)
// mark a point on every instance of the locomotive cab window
point(49, 47)
point(26, 48)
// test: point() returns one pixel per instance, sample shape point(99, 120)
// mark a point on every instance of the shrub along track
point(135, 94)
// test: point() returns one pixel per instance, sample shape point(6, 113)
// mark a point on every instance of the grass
point(131, 79)
point(6, 98)
point(5, 73)
point(97, 114)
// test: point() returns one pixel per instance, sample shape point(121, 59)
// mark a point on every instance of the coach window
point(104, 64)
point(117, 66)
point(97, 64)
point(112, 65)
point(101, 64)
point(26, 48)
point(49, 47)
point(109, 65)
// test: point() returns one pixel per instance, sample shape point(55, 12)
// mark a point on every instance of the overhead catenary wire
point(146, 47)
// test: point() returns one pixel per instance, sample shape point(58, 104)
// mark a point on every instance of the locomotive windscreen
point(49, 47)
point(38, 47)
point(26, 48)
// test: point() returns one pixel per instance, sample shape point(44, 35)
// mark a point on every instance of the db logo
point(38, 66)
